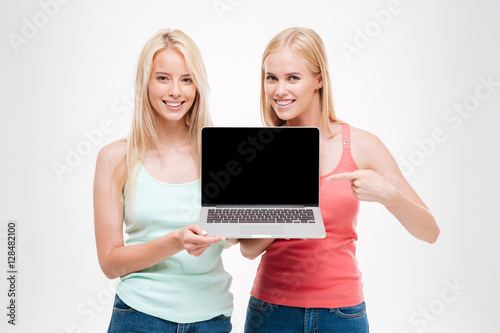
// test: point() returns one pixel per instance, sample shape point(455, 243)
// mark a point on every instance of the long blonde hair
point(307, 44)
point(143, 135)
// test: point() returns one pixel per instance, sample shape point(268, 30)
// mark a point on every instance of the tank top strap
point(346, 136)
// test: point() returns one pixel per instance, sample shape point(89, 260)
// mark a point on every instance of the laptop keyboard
point(255, 215)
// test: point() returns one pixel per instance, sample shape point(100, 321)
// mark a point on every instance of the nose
point(281, 90)
point(174, 90)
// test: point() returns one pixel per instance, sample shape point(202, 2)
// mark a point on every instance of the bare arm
point(252, 248)
point(380, 180)
point(115, 258)
point(230, 242)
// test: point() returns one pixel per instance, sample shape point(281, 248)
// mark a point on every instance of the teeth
point(284, 102)
point(173, 104)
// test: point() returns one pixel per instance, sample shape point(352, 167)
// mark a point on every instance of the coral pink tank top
point(318, 273)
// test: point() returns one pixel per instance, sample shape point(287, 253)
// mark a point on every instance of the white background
point(67, 68)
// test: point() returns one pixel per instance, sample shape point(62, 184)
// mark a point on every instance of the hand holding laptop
point(193, 238)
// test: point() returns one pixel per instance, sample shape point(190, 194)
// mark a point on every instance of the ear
point(319, 83)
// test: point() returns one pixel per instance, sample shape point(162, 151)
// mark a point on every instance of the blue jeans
point(126, 319)
point(263, 317)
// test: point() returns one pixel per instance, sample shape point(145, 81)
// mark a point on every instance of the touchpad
point(264, 230)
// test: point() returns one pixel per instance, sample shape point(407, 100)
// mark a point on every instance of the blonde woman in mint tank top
point(315, 285)
point(171, 274)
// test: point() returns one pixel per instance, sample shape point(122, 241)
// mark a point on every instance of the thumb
point(196, 229)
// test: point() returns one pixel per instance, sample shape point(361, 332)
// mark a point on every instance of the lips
point(173, 105)
point(284, 103)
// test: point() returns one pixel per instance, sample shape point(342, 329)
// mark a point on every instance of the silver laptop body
point(261, 182)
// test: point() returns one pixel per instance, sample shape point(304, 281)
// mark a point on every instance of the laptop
point(260, 182)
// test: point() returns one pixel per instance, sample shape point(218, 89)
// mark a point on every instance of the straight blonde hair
point(307, 44)
point(143, 135)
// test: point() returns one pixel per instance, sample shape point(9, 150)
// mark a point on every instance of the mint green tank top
point(182, 288)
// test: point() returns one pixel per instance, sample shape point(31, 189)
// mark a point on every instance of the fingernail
point(204, 233)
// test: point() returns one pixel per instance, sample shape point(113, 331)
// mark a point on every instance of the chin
point(285, 116)
point(176, 119)
point(173, 117)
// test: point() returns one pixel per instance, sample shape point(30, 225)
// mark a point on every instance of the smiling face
point(171, 89)
point(291, 86)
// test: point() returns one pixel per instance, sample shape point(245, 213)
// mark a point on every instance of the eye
point(271, 78)
point(162, 78)
point(294, 78)
point(187, 80)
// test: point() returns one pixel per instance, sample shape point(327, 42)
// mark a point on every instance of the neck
point(173, 135)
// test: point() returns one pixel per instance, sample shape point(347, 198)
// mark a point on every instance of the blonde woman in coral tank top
point(315, 285)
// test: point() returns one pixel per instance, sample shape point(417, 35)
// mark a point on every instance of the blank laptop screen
point(260, 166)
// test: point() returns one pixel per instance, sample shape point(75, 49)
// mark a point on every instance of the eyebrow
point(287, 74)
point(165, 73)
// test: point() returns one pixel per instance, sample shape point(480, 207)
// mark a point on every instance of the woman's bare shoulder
point(368, 150)
point(364, 140)
point(112, 153)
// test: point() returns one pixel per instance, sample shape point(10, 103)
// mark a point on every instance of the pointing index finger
point(344, 176)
